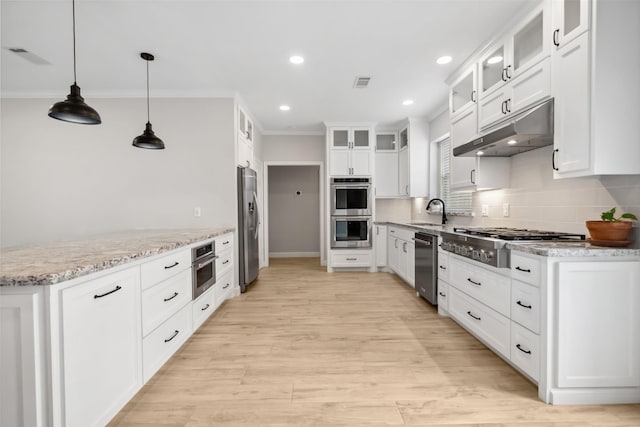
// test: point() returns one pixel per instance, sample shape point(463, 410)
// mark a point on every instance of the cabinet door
point(464, 127)
point(530, 41)
point(102, 347)
point(386, 174)
point(411, 264)
point(492, 107)
point(493, 69)
point(245, 153)
point(340, 138)
point(392, 251)
point(386, 141)
point(602, 322)
point(339, 162)
point(530, 87)
point(404, 138)
point(242, 123)
point(571, 89)
point(463, 92)
point(360, 162)
point(403, 172)
point(360, 139)
point(381, 245)
point(570, 20)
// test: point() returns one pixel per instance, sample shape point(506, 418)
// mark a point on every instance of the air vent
point(361, 82)
point(31, 57)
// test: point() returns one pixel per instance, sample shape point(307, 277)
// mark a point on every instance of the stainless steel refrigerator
point(248, 226)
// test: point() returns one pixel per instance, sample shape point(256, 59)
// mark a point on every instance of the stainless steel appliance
point(426, 259)
point(351, 231)
point(351, 196)
point(203, 267)
point(487, 245)
point(248, 227)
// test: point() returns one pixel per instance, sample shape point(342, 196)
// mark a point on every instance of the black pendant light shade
point(73, 109)
point(148, 139)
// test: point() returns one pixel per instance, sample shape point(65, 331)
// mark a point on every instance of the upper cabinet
point(463, 93)
point(570, 19)
point(350, 151)
point(386, 179)
point(413, 159)
point(244, 139)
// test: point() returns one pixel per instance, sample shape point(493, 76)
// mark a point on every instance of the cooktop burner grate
point(503, 233)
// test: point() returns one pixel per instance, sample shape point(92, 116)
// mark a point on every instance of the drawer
point(443, 295)
point(164, 299)
point(488, 325)
point(486, 286)
point(525, 269)
point(224, 242)
point(223, 288)
point(525, 305)
point(156, 271)
point(203, 307)
point(525, 350)
point(351, 259)
point(162, 343)
point(224, 262)
point(443, 265)
point(402, 233)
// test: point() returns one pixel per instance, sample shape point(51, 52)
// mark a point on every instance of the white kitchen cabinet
point(386, 180)
point(480, 173)
point(463, 93)
point(392, 250)
point(381, 245)
point(164, 299)
point(571, 18)
point(223, 287)
point(101, 360)
point(596, 314)
point(413, 164)
point(525, 350)
point(244, 139)
point(350, 151)
point(401, 253)
point(403, 172)
point(443, 283)
point(203, 307)
point(164, 267)
point(595, 109)
point(245, 125)
point(351, 258)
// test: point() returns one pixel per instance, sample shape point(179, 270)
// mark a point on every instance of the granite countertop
point(55, 262)
point(571, 249)
point(433, 228)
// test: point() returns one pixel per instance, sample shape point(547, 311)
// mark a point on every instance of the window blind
point(455, 201)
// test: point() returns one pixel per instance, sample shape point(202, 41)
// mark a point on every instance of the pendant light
point(73, 109)
point(148, 139)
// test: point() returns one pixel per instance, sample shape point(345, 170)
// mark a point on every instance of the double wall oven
point(351, 212)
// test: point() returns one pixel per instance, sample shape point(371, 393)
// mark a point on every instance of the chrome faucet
point(444, 213)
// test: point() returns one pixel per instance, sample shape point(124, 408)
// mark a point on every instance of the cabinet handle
point(502, 107)
point(442, 294)
point(473, 176)
point(166, 267)
point(523, 305)
point(225, 262)
point(351, 259)
point(525, 270)
point(226, 242)
point(473, 96)
point(396, 244)
point(508, 105)
point(118, 287)
point(507, 73)
point(404, 247)
point(553, 160)
point(524, 351)
point(175, 294)
point(205, 307)
point(503, 77)
point(475, 283)
point(406, 189)
point(556, 33)
point(442, 267)
point(470, 314)
point(248, 163)
point(175, 334)
point(226, 286)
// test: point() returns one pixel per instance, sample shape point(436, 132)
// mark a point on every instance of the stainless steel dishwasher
point(425, 264)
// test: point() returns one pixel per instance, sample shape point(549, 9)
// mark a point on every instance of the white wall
point(294, 220)
point(293, 148)
point(67, 181)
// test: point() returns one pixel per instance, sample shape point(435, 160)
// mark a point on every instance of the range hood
point(526, 131)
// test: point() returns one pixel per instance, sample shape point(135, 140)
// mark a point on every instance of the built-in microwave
point(351, 196)
point(351, 232)
point(204, 268)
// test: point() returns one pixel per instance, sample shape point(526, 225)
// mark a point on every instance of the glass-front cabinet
point(463, 92)
point(349, 138)
point(386, 141)
point(570, 19)
point(493, 69)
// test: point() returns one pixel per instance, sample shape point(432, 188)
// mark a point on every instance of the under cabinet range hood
point(526, 131)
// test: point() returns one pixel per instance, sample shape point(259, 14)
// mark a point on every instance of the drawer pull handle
point(205, 307)
point(524, 270)
point(524, 351)
point(442, 295)
point(475, 283)
point(175, 334)
point(108, 293)
point(352, 259)
point(442, 267)
point(226, 286)
point(175, 294)
point(523, 305)
point(226, 242)
point(470, 314)
point(166, 267)
point(225, 262)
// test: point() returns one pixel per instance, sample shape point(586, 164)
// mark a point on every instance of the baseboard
point(294, 254)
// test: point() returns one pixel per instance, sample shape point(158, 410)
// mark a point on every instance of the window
point(455, 201)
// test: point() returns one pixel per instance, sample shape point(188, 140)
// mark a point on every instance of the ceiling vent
point(361, 82)
point(31, 57)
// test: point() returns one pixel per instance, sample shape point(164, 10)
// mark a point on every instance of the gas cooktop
point(504, 233)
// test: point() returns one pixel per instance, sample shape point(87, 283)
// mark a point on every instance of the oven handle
point(208, 261)
point(422, 242)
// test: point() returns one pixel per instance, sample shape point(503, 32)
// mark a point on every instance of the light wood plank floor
point(305, 347)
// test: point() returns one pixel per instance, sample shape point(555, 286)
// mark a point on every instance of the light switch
point(506, 209)
point(485, 210)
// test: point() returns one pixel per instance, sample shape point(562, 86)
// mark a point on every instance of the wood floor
point(305, 347)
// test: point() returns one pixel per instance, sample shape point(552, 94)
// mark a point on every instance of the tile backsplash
point(537, 201)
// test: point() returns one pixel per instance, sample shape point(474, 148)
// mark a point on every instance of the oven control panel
point(486, 252)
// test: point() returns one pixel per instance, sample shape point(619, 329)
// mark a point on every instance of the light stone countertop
point(571, 249)
point(55, 262)
point(433, 228)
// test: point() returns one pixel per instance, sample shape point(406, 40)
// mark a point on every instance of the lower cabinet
point(401, 253)
point(203, 307)
point(347, 258)
point(101, 357)
point(380, 243)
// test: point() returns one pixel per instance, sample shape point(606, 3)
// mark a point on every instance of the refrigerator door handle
point(255, 201)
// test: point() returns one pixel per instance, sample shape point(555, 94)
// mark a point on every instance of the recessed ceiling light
point(407, 102)
point(512, 142)
point(494, 59)
point(479, 153)
point(285, 108)
point(296, 59)
point(444, 60)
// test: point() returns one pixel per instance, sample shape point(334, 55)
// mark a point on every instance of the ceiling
point(220, 48)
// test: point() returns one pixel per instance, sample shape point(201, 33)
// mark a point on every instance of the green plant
point(610, 216)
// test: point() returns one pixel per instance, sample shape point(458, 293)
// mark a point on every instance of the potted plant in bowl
point(611, 231)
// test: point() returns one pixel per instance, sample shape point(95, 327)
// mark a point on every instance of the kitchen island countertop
point(55, 262)
point(571, 249)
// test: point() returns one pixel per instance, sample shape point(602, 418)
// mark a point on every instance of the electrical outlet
point(506, 208)
point(485, 210)
point(197, 211)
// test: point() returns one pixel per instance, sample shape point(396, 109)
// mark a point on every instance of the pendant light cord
point(73, 8)
point(148, 120)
